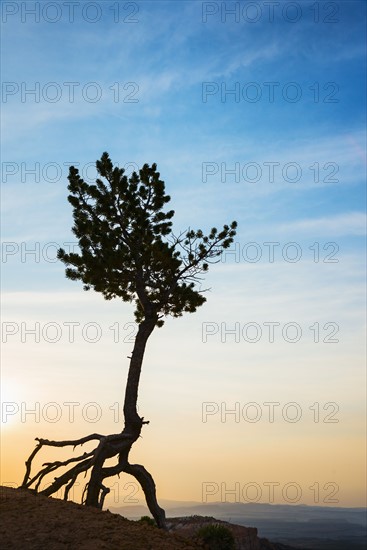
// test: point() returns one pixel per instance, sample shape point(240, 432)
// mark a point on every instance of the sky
point(254, 112)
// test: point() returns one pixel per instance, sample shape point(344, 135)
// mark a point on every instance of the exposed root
point(94, 493)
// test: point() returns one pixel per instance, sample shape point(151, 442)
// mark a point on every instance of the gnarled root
point(95, 491)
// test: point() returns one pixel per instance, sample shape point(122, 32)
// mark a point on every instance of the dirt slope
point(35, 522)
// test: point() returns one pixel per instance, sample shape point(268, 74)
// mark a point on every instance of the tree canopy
point(127, 246)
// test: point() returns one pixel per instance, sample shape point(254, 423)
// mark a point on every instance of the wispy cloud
point(352, 224)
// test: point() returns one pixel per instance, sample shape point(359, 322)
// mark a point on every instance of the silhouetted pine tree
point(128, 251)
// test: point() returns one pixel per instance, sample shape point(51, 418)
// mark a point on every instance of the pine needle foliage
point(127, 246)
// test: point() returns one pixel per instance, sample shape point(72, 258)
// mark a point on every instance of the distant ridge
point(303, 512)
point(300, 526)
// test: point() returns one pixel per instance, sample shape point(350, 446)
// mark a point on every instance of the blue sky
point(177, 60)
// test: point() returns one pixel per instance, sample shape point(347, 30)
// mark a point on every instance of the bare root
point(115, 445)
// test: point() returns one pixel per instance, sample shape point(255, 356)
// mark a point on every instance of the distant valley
point(301, 526)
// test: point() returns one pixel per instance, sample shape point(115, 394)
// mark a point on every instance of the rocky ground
point(35, 522)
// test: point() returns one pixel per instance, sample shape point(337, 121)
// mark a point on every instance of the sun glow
point(11, 402)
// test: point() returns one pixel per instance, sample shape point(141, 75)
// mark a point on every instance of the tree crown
point(127, 247)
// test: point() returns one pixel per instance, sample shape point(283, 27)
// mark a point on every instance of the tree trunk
point(133, 422)
point(131, 432)
point(115, 445)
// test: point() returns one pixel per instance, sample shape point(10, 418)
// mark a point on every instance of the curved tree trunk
point(116, 445)
point(132, 420)
point(131, 432)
